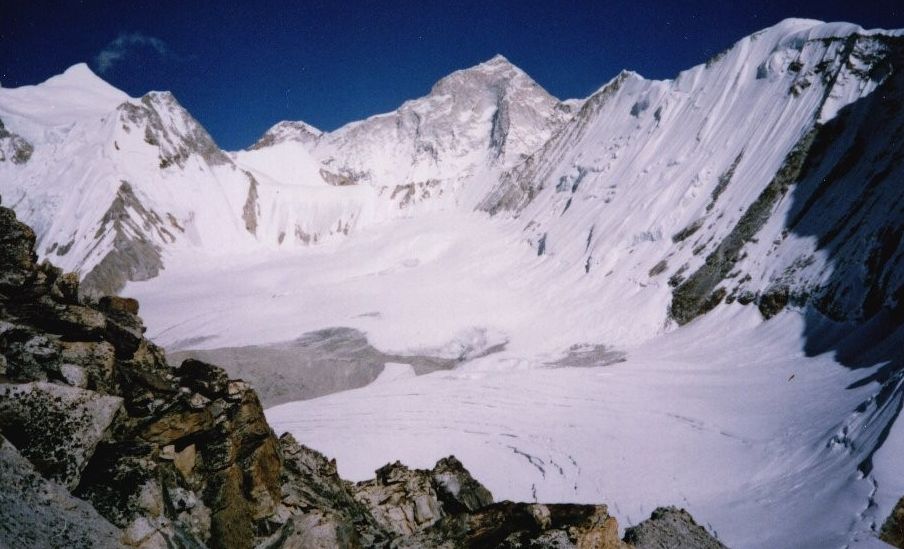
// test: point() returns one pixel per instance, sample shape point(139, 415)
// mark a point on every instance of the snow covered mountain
point(747, 178)
point(115, 180)
point(734, 235)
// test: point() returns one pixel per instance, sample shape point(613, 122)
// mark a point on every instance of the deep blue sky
point(240, 67)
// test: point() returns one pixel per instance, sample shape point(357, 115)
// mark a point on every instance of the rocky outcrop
point(407, 508)
point(135, 255)
point(893, 529)
point(171, 456)
point(671, 528)
point(103, 443)
point(13, 147)
point(517, 525)
point(36, 512)
point(57, 427)
point(406, 501)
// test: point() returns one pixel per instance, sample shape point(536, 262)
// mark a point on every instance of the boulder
point(36, 512)
point(30, 355)
point(456, 487)
point(671, 528)
point(125, 331)
point(116, 304)
point(311, 485)
point(402, 500)
point(893, 529)
point(211, 381)
point(65, 289)
point(521, 525)
point(315, 530)
point(56, 427)
point(72, 322)
point(97, 358)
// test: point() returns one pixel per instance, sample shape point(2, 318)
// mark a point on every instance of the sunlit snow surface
point(725, 417)
point(707, 418)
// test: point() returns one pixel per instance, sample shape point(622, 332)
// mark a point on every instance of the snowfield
point(726, 416)
point(733, 424)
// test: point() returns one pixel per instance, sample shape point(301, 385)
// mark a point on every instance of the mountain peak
point(497, 59)
point(81, 76)
point(64, 98)
point(288, 130)
point(496, 63)
point(494, 72)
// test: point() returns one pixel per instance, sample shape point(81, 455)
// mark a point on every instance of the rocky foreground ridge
point(105, 445)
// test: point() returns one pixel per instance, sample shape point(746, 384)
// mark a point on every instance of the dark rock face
point(670, 528)
point(523, 525)
point(102, 443)
point(135, 254)
point(699, 293)
point(893, 529)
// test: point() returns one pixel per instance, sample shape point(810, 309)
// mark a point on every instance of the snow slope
point(725, 418)
point(735, 234)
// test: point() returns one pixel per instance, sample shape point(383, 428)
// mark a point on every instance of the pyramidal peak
point(81, 78)
point(497, 63)
point(60, 100)
point(494, 73)
point(288, 130)
point(497, 59)
point(79, 74)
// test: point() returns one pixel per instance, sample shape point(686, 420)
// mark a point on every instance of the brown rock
point(402, 500)
point(262, 478)
point(65, 289)
point(230, 524)
point(115, 303)
point(184, 461)
point(177, 424)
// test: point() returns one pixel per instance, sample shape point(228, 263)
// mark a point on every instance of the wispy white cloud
point(116, 50)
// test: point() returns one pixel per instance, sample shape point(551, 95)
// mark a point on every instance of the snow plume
point(116, 50)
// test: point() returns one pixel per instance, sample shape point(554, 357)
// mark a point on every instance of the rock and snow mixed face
point(117, 181)
point(492, 115)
